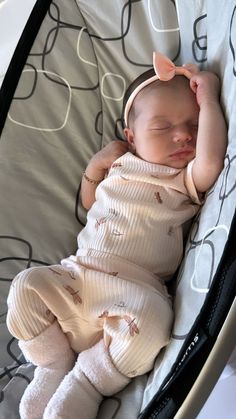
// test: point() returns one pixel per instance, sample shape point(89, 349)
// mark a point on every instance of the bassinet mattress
point(67, 106)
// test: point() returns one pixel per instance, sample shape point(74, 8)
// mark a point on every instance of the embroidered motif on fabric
point(72, 275)
point(158, 197)
point(104, 314)
point(171, 231)
point(111, 214)
point(121, 304)
point(100, 221)
point(62, 271)
point(133, 328)
point(75, 294)
point(116, 165)
point(116, 232)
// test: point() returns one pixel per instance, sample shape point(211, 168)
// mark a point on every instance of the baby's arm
point(97, 168)
point(212, 131)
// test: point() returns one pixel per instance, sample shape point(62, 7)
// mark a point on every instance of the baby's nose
point(182, 134)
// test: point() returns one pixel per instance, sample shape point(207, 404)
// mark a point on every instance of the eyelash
point(194, 126)
point(161, 129)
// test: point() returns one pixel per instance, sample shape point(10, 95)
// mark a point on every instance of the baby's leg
point(31, 320)
point(53, 362)
point(136, 324)
point(81, 391)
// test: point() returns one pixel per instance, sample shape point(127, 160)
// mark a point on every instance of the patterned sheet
point(66, 107)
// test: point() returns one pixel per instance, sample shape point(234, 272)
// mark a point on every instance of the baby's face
point(164, 129)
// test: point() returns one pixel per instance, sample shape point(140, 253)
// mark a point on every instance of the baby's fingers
point(194, 84)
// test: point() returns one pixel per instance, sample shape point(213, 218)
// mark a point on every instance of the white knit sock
point(51, 353)
point(75, 398)
point(82, 390)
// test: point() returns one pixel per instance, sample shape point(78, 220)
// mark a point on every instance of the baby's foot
point(75, 398)
point(40, 390)
point(54, 358)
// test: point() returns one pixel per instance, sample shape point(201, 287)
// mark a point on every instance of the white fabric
point(93, 376)
point(53, 363)
point(75, 398)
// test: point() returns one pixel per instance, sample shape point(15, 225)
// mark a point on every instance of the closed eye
point(160, 127)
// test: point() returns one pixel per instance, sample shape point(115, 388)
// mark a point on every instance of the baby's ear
point(193, 68)
point(129, 135)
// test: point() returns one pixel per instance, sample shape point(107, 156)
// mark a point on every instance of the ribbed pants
point(135, 320)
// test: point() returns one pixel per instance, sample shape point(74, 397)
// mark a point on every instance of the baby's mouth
point(182, 153)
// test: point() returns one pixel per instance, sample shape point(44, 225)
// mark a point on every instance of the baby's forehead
point(170, 90)
point(179, 86)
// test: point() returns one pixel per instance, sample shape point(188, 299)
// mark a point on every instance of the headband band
point(165, 70)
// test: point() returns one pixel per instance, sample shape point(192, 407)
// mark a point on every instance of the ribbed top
point(138, 215)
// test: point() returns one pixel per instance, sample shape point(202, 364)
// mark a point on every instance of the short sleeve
point(198, 198)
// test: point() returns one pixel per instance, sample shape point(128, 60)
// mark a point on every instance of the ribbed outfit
point(113, 288)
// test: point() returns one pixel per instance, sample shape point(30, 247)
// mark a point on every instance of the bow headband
point(165, 70)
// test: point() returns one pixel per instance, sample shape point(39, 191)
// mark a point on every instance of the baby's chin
point(182, 162)
point(179, 165)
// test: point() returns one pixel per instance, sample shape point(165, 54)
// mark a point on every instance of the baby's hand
point(206, 85)
point(97, 169)
point(111, 152)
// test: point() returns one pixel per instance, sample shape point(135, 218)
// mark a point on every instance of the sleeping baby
point(100, 318)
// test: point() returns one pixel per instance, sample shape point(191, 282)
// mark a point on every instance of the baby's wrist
point(95, 171)
point(209, 102)
point(91, 180)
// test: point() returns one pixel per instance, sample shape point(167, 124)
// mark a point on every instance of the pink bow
point(165, 69)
